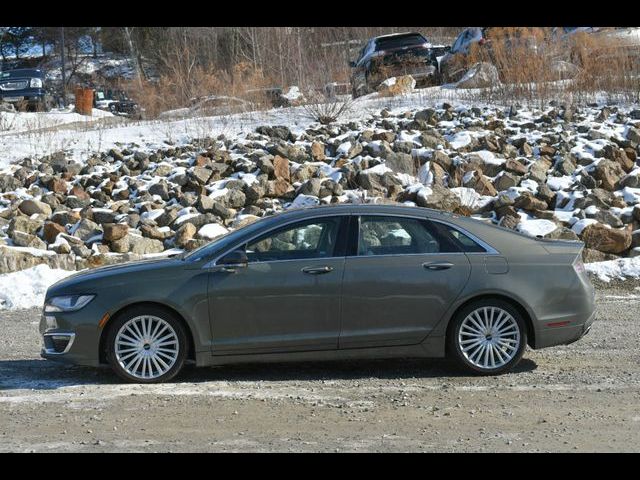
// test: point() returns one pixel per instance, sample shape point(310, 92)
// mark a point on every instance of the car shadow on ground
point(44, 375)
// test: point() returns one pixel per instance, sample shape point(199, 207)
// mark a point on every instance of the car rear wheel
point(488, 337)
point(147, 345)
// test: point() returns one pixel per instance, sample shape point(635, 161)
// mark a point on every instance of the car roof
point(368, 209)
point(403, 34)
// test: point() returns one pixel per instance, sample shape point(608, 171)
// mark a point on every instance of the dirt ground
point(581, 397)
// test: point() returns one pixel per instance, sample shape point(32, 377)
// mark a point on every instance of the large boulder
point(86, 229)
point(143, 245)
point(23, 224)
point(604, 239)
point(30, 207)
point(480, 75)
point(609, 173)
point(439, 198)
point(397, 86)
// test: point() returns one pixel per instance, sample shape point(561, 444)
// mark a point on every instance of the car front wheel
point(488, 337)
point(147, 345)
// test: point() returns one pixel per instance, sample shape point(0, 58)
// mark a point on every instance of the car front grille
point(15, 85)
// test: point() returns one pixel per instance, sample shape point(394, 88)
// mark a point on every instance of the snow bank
point(26, 288)
point(621, 268)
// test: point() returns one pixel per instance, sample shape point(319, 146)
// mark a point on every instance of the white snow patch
point(538, 227)
point(212, 230)
point(580, 225)
point(560, 183)
point(304, 201)
point(459, 140)
point(621, 268)
point(27, 288)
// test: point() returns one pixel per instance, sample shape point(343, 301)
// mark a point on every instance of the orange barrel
point(84, 100)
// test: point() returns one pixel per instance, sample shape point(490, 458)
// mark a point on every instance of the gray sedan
point(332, 282)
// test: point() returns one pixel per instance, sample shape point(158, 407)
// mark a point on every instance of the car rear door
point(399, 281)
point(288, 296)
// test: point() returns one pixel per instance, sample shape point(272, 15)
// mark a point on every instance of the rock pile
point(560, 173)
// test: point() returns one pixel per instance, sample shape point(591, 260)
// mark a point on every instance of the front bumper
point(30, 96)
point(71, 337)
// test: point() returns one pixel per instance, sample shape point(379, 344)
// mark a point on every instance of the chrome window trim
point(213, 263)
point(72, 337)
point(490, 250)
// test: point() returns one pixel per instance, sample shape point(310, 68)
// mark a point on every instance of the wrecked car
point(117, 102)
point(394, 55)
point(484, 45)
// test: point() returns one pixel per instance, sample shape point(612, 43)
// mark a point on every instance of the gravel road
point(581, 397)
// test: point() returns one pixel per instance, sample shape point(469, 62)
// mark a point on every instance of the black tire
point(146, 310)
point(454, 349)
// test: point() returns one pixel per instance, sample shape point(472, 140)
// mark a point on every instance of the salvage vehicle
point(331, 282)
point(25, 89)
point(117, 102)
point(484, 44)
point(394, 55)
point(599, 44)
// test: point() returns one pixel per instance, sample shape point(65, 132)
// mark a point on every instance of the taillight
point(482, 41)
point(578, 265)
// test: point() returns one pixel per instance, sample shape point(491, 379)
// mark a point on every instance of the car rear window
point(463, 241)
point(400, 41)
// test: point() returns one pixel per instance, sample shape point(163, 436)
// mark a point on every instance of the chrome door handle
point(317, 270)
point(437, 265)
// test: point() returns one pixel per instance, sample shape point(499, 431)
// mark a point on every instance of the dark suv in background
point(395, 55)
point(26, 89)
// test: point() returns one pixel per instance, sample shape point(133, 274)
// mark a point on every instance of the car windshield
point(400, 41)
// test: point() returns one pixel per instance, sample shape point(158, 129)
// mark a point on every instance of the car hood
point(112, 274)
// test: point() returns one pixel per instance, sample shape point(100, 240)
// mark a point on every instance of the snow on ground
point(26, 288)
point(615, 269)
point(12, 123)
point(19, 143)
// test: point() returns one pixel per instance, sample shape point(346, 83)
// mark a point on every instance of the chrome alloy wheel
point(146, 347)
point(489, 337)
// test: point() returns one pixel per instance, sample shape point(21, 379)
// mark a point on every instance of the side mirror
point(233, 260)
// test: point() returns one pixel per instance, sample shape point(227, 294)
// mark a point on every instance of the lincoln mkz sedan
point(331, 282)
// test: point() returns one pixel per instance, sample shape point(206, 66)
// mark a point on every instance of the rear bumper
point(564, 335)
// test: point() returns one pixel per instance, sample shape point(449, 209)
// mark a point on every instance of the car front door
point(287, 297)
point(400, 281)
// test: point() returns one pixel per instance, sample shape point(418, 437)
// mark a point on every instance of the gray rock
point(401, 163)
point(22, 239)
point(86, 229)
point(23, 224)
point(30, 207)
point(441, 198)
point(144, 246)
point(160, 189)
point(311, 187)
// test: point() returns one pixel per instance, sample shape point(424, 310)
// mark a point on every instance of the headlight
point(36, 83)
point(67, 303)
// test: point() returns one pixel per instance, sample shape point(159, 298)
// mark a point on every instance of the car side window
point(380, 235)
point(304, 240)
